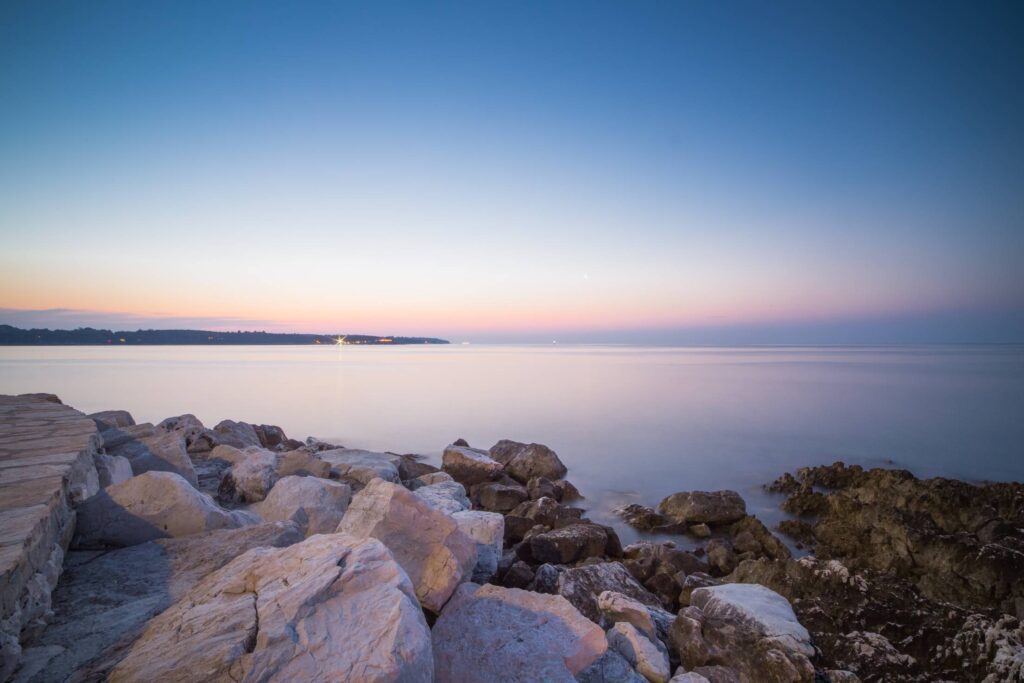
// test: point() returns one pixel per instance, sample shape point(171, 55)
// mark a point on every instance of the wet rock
point(806, 501)
point(540, 487)
point(237, 434)
point(700, 530)
point(798, 530)
point(640, 516)
point(721, 556)
point(703, 507)
point(315, 505)
point(582, 585)
point(329, 608)
point(565, 491)
point(547, 512)
point(499, 497)
point(150, 506)
point(491, 633)
point(428, 543)
point(648, 657)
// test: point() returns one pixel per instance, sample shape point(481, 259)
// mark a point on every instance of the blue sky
point(520, 171)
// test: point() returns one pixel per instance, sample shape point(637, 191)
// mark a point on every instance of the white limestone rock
point(149, 506)
point(490, 633)
point(487, 530)
point(332, 608)
point(447, 496)
point(428, 543)
point(316, 505)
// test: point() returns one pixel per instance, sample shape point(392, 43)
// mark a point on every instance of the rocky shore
point(235, 553)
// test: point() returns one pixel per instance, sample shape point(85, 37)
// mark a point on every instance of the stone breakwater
point(186, 552)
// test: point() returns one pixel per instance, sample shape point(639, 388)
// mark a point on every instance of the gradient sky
point(641, 171)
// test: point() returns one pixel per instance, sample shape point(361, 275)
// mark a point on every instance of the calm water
point(631, 423)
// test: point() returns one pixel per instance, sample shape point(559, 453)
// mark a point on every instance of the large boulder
point(524, 462)
point(112, 469)
point(487, 530)
point(469, 466)
point(150, 506)
point(303, 463)
point(703, 507)
point(104, 600)
point(746, 627)
point(361, 467)
point(582, 585)
point(316, 505)
point(237, 434)
point(447, 496)
point(332, 608)
point(250, 480)
point(491, 633)
point(160, 452)
point(427, 542)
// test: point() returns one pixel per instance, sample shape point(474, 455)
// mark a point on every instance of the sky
point(692, 172)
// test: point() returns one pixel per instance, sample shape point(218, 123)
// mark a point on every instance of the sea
point(632, 423)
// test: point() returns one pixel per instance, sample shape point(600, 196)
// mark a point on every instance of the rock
point(112, 469)
point(412, 467)
point(105, 419)
point(700, 530)
point(546, 512)
point(302, 463)
point(569, 544)
point(749, 535)
point(721, 556)
point(315, 505)
point(270, 436)
point(314, 445)
point(237, 434)
point(649, 660)
point(687, 677)
point(703, 507)
point(433, 478)
point(746, 627)
point(104, 600)
point(150, 506)
point(519, 575)
point(582, 585)
point(330, 608)
point(545, 579)
point(250, 480)
point(539, 487)
point(362, 467)
point(524, 462)
point(157, 453)
point(610, 668)
point(428, 543)
point(499, 497)
point(692, 582)
point(198, 439)
point(468, 466)
point(617, 607)
point(565, 491)
point(718, 674)
point(447, 496)
point(640, 516)
point(487, 530)
point(491, 633)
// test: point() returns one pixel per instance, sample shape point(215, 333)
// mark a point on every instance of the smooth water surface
point(631, 423)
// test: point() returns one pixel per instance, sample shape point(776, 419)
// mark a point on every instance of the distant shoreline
point(88, 336)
